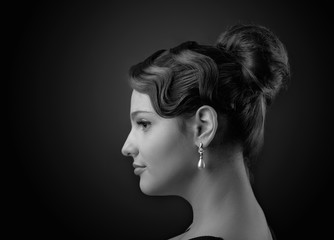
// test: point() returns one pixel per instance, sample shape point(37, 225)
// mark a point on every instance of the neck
point(222, 198)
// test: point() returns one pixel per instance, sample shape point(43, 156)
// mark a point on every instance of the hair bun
point(262, 58)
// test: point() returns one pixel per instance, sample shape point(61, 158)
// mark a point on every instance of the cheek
point(167, 152)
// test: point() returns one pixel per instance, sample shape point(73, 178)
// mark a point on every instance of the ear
point(205, 125)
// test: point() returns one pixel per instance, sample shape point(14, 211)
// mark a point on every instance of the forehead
point(140, 102)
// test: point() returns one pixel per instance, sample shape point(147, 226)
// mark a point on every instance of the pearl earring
point(201, 163)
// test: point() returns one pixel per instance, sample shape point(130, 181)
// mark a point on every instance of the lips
point(139, 169)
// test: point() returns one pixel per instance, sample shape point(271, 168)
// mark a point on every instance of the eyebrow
point(135, 113)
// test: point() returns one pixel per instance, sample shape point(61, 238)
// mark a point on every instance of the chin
point(152, 189)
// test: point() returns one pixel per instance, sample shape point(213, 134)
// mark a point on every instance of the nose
point(129, 149)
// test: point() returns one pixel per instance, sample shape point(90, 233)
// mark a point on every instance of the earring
point(201, 163)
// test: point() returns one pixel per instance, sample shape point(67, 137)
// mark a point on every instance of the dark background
point(68, 111)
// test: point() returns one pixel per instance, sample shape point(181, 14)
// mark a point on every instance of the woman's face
point(166, 156)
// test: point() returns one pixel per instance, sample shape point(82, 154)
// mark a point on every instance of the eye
point(143, 124)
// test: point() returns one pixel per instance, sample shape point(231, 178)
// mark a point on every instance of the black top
point(218, 238)
point(206, 238)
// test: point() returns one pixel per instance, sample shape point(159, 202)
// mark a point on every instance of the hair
point(239, 77)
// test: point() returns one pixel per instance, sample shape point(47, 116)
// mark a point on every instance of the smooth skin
point(221, 196)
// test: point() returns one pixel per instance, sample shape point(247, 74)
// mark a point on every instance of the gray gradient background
point(69, 116)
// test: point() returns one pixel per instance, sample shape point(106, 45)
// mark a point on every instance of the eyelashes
point(144, 125)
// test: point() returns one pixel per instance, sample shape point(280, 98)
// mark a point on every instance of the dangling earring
point(201, 163)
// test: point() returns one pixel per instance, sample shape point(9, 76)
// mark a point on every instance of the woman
point(197, 115)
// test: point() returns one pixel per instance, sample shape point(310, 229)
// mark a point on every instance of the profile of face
point(164, 154)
